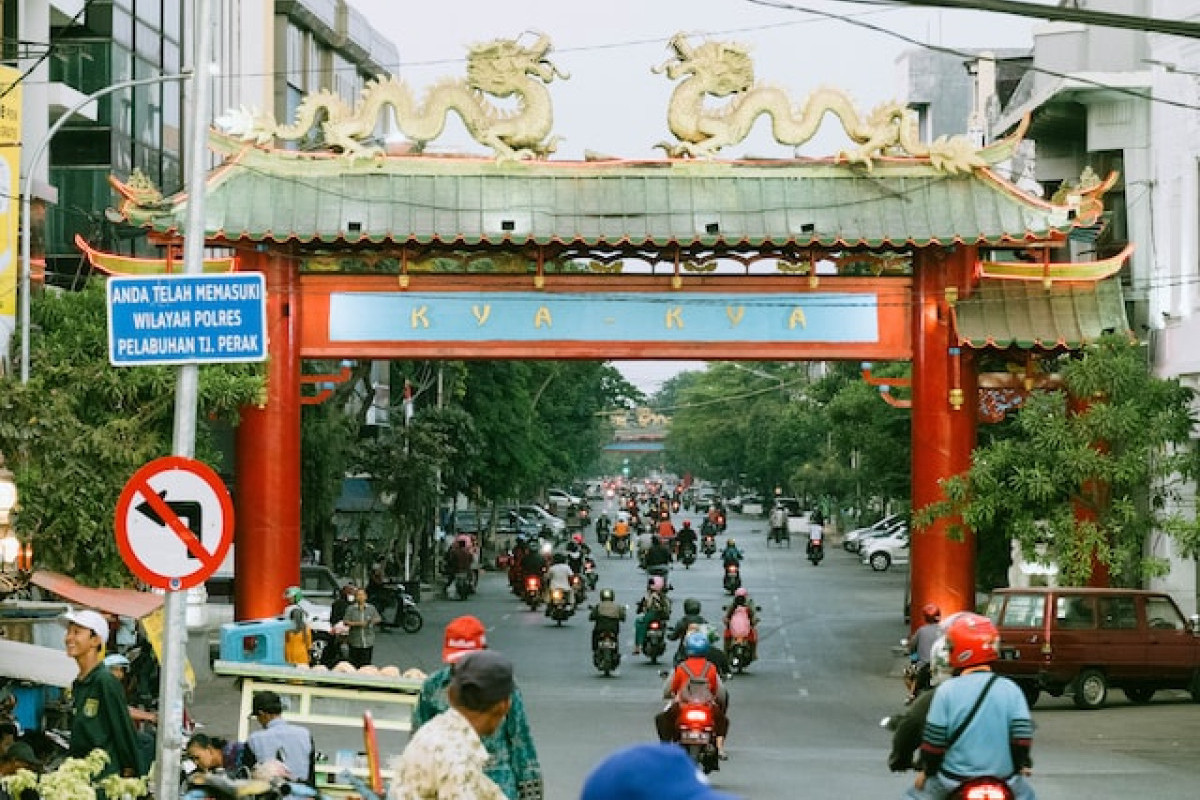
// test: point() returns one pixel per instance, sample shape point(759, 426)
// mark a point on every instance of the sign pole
point(170, 724)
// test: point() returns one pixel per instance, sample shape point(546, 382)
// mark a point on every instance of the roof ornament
point(501, 68)
point(724, 70)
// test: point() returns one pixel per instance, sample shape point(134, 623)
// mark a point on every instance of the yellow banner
point(10, 207)
point(153, 625)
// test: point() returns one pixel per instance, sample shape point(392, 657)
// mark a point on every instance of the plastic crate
point(257, 641)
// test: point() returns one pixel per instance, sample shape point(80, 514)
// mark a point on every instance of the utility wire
point(21, 78)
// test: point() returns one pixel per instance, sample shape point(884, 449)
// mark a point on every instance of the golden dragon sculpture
point(502, 68)
point(725, 70)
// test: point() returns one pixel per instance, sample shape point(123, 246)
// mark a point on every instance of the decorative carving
point(139, 190)
point(501, 68)
point(724, 70)
point(699, 266)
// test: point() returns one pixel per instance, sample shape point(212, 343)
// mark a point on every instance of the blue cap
point(649, 772)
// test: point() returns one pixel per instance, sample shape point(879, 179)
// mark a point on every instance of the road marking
point(803, 692)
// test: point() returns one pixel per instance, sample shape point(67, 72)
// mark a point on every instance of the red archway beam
point(320, 397)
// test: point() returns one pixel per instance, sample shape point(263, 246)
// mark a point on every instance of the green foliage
point(80, 428)
point(1120, 460)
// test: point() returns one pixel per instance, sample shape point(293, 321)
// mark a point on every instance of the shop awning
point(1026, 314)
point(123, 602)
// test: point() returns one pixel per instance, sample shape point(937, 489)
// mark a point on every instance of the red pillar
point(267, 539)
point(943, 430)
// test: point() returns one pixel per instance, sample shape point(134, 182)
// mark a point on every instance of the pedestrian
point(214, 754)
point(362, 618)
point(100, 718)
point(445, 759)
point(297, 640)
point(513, 765)
point(279, 740)
point(649, 772)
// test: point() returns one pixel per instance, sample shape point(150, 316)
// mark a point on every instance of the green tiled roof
point(1025, 314)
point(277, 196)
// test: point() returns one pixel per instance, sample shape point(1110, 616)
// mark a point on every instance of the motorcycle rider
point(607, 616)
point(576, 550)
point(908, 726)
point(619, 531)
point(689, 622)
point(645, 539)
point(816, 530)
point(686, 537)
point(658, 558)
point(655, 605)
point(920, 645)
point(731, 554)
point(741, 621)
point(559, 577)
point(979, 723)
point(778, 521)
point(666, 530)
point(458, 561)
point(603, 529)
point(695, 680)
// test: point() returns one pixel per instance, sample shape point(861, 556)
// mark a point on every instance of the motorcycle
point(533, 591)
point(697, 734)
point(740, 655)
point(590, 576)
point(708, 545)
point(585, 516)
point(607, 655)
point(619, 545)
point(464, 587)
point(687, 554)
point(217, 786)
point(816, 551)
point(779, 536)
point(733, 578)
point(558, 607)
point(655, 643)
point(578, 589)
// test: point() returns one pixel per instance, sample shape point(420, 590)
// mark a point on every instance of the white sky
point(613, 104)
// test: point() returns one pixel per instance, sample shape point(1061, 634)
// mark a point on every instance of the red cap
point(463, 635)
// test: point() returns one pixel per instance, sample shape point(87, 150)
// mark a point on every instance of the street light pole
point(27, 192)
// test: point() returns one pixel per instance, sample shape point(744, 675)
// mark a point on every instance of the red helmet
point(932, 612)
point(973, 640)
point(687, 523)
point(577, 538)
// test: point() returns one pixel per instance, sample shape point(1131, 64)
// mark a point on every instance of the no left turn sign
point(174, 522)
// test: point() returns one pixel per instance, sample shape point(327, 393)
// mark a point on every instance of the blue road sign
point(187, 319)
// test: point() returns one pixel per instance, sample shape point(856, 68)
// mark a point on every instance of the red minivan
point(1083, 641)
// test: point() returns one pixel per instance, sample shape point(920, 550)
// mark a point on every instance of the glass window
point(172, 24)
point(149, 11)
point(1161, 614)
point(1075, 613)
point(1024, 611)
point(1118, 613)
point(148, 43)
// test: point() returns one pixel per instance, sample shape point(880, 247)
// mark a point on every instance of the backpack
point(739, 623)
point(696, 690)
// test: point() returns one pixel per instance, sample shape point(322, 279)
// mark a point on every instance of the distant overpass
point(637, 440)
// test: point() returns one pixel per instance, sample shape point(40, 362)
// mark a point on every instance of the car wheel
point(1091, 689)
point(1031, 692)
point(1139, 694)
point(880, 561)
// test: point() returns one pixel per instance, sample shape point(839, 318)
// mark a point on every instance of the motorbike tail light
point(532, 583)
point(702, 716)
point(989, 790)
point(655, 625)
point(557, 594)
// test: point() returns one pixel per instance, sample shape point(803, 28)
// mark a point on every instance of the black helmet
point(560, 558)
point(691, 606)
point(607, 594)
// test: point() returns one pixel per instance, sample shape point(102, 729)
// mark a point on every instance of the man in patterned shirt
point(513, 765)
point(445, 759)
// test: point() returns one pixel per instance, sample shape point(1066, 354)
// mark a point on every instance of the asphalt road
point(805, 717)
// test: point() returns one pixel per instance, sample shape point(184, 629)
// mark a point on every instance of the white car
point(854, 538)
point(883, 551)
point(752, 506)
point(548, 522)
point(562, 499)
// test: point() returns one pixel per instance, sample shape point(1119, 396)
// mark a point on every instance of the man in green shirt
point(101, 716)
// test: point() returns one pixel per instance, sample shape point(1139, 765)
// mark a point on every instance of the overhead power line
point(1059, 13)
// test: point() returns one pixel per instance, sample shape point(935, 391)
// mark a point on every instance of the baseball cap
point(92, 620)
point(482, 679)
point(20, 751)
point(463, 635)
point(649, 772)
point(266, 702)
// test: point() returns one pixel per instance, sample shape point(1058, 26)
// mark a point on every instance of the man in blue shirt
point(279, 740)
point(979, 723)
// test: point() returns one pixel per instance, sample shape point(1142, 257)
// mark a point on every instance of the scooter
point(816, 551)
point(655, 643)
point(618, 545)
point(578, 589)
point(740, 655)
point(697, 735)
point(408, 616)
point(464, 587)
point(590, 576)
point(687, 554)
point(533, 591)
point(607, 655)
point(708, 545)
point(558, 607)
point(733, 578)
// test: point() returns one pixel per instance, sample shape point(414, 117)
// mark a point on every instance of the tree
point(1084, 487)
point(80, 428)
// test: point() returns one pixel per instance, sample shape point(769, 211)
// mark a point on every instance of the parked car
point(853, 538)
point(883, 551)
point(562, 498)
point(1083, 641)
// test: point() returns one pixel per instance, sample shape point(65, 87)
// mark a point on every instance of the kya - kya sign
point(174, 522)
